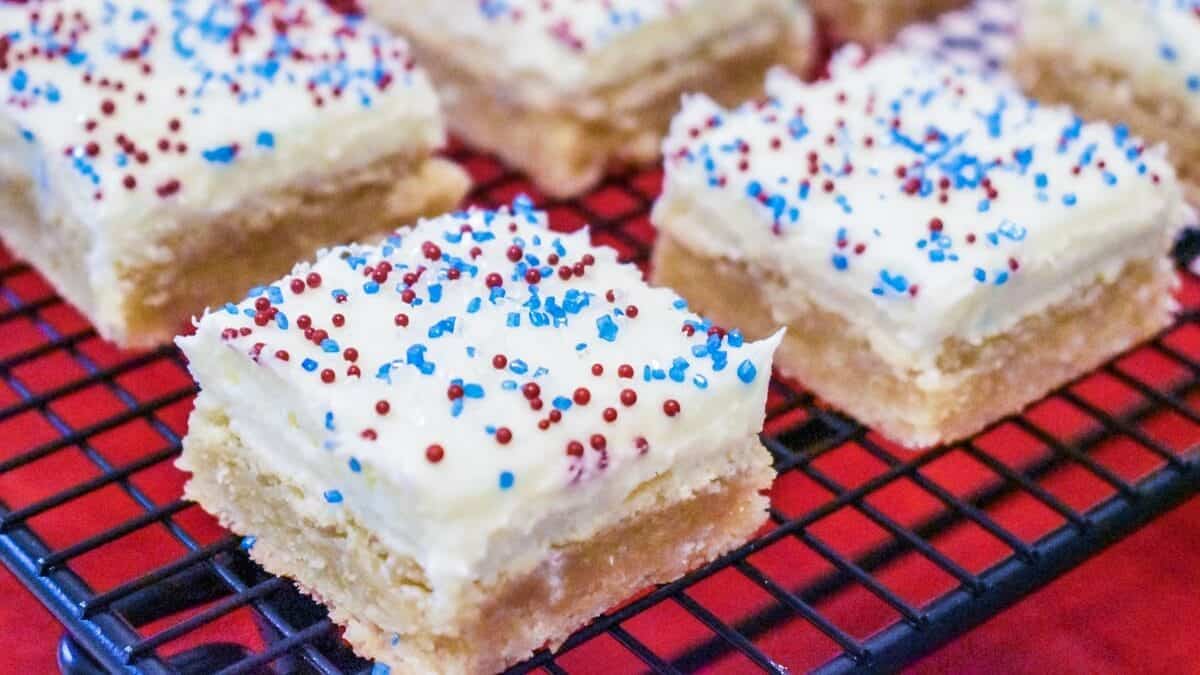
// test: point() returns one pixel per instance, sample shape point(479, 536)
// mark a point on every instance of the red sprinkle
point(503, 435)
point(383, 407)
point(671, 407)
point(434, 453)
point(582, 396)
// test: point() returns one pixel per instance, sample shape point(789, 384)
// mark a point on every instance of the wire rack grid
point(871, 557)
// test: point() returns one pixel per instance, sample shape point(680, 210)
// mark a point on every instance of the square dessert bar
point(943, 250)
point(877, 21)
point(156, 157)
point(564, 90)
point(1131, 61)
point(470, 439)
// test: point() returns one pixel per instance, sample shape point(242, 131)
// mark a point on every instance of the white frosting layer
point(542, 51)
point(1155, 43)
point(136, 116)
point(918, 201)
point(481, 372)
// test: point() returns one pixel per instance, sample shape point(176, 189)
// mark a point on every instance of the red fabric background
point(1133, 609)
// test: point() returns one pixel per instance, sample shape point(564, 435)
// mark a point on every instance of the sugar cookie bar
point(156, 157)
point(564, 90)
point(1131, 61)
point(474, 437)
point(943, 250)
point(877, 21)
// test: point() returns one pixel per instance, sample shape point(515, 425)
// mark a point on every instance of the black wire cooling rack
point(871, 556)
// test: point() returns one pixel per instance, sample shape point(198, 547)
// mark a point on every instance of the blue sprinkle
point(734, 338)
point(562, 403)
point(265, 139)
point(506, 480)
point(508, 385)
point(1193, 83)
point(1069, 199)
point(383, 669)
point(371, 288)
point(518, 366)
point(220, 155)
point(18, 80)
point(840, 262)
point(309, 365)
point(231, 308)
point(473, 305)
point(607, 328)
point(248, 542)
point(281, 321)
point(513, 320)
point(333, 497)
point(330, 345)
point(581, 346)
point(680, 303)
point(1041, 180)
point(355, 466)
point(980, 275)
point(435, 293)
point(700, 381)
point(746, 371)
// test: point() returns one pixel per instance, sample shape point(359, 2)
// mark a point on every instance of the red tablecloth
point(1133, 609)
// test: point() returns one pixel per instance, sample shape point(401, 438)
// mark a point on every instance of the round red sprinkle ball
point(401, 320)
point(575, 449)
point(339, 320)
point(431, 250)
point(353, 371)
point(434, 453)
point(408, 295)
point(262, 304)
point(351, 354)
point(555, 415)
point(610, 295)
point(243, 331)
point(327, 376)
point(503, 435)
point(493, 280)
point(936, 225)
point(642, 445)
point(453, 273)
point(598, 442)
point(514, 253)
point(536, 404)
point(319, 335)
point(588, 259)
point(625, 371)
point(610, 414)
point(454, 391)
point(631, 311)
point(499, 361)
point(313, 280)
point(671, 407)
point(532, 276)
point(543, 424)
point(564, 273)
point(383, 407)
point(582, 396)
point(282, 355)
point(297, 286)
point(129, 182)
point(369, 434)
point(531, 390)
point(597, 369)
point(304, 321)
point(578, 269)
point(552, 259)
point(628, 397)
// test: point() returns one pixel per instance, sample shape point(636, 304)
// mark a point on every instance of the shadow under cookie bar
point(142, 297)
point(1102, 92)
point(972, 385)
point(567, 145)
point(384, 599)
point(876, 21)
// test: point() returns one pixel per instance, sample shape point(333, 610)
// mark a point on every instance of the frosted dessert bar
point(156, 157)
point(943, 250)
point(877, 21)
point(1131, 61)
point(474, 437)
point(563, 90)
